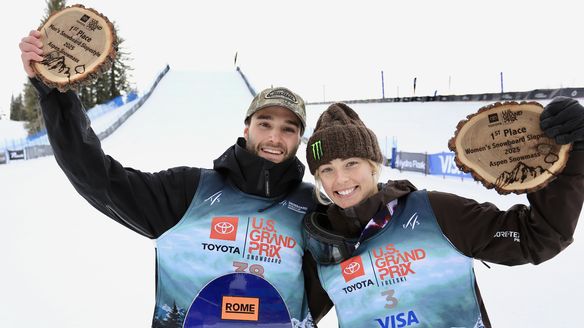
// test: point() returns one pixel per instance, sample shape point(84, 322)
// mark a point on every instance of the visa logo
point(398, 321)
point(448, 165)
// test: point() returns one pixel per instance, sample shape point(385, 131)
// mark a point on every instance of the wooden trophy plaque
point(503, 146)
point(78, 44)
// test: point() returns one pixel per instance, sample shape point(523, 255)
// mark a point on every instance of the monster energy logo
point(317, 150)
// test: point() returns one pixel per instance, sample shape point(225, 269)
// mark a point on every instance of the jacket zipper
point(131, 225)
point(267, 179)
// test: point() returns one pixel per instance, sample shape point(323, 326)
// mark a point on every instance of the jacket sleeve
point(148, 203)
point(522, 234)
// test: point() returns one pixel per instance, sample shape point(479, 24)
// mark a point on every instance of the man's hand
point(563, 120)
point(31, 50)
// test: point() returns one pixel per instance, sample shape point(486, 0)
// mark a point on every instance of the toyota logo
point(352, 268)
point(224, 228)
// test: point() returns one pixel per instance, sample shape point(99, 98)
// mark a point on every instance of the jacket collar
point(351, 221)
point(257, 176)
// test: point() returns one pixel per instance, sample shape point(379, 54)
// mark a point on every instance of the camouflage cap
point(279, 97)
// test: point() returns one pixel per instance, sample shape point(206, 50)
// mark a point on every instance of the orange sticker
point(240, 308)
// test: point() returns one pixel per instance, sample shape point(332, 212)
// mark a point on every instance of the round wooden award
point(503, 146)
point(78, 44)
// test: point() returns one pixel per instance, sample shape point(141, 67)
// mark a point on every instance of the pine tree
point(174, 318)
point(112, 83)
point(87, 96)
point(120, 71)
point(17, 109)
point(32, 107)
point(52, 6)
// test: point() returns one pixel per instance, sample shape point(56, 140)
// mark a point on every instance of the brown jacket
point(522, 234)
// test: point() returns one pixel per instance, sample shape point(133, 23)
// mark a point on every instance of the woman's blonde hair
point(318, 194)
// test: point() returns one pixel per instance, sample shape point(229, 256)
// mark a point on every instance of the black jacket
point(152, 203)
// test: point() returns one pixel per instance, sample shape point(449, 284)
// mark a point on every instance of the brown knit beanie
point(340, 133)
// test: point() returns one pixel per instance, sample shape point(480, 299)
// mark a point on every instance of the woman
point(392, 256)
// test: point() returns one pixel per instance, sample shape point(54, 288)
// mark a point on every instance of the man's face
point(273, 133)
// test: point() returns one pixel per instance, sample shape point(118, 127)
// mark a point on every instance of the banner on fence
point(411, 162)
point(536, 94)
point(444, 164)
point(16, 154)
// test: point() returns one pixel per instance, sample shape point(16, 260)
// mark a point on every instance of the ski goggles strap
point(330, 248)
point(326, 247)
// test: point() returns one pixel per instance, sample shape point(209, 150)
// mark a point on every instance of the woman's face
point(347, 181)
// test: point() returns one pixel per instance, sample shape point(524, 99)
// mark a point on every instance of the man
point(241, 220)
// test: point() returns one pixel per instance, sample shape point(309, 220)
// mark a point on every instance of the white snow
point(64, 264)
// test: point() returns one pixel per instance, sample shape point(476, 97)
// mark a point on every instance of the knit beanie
point(340, 133)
